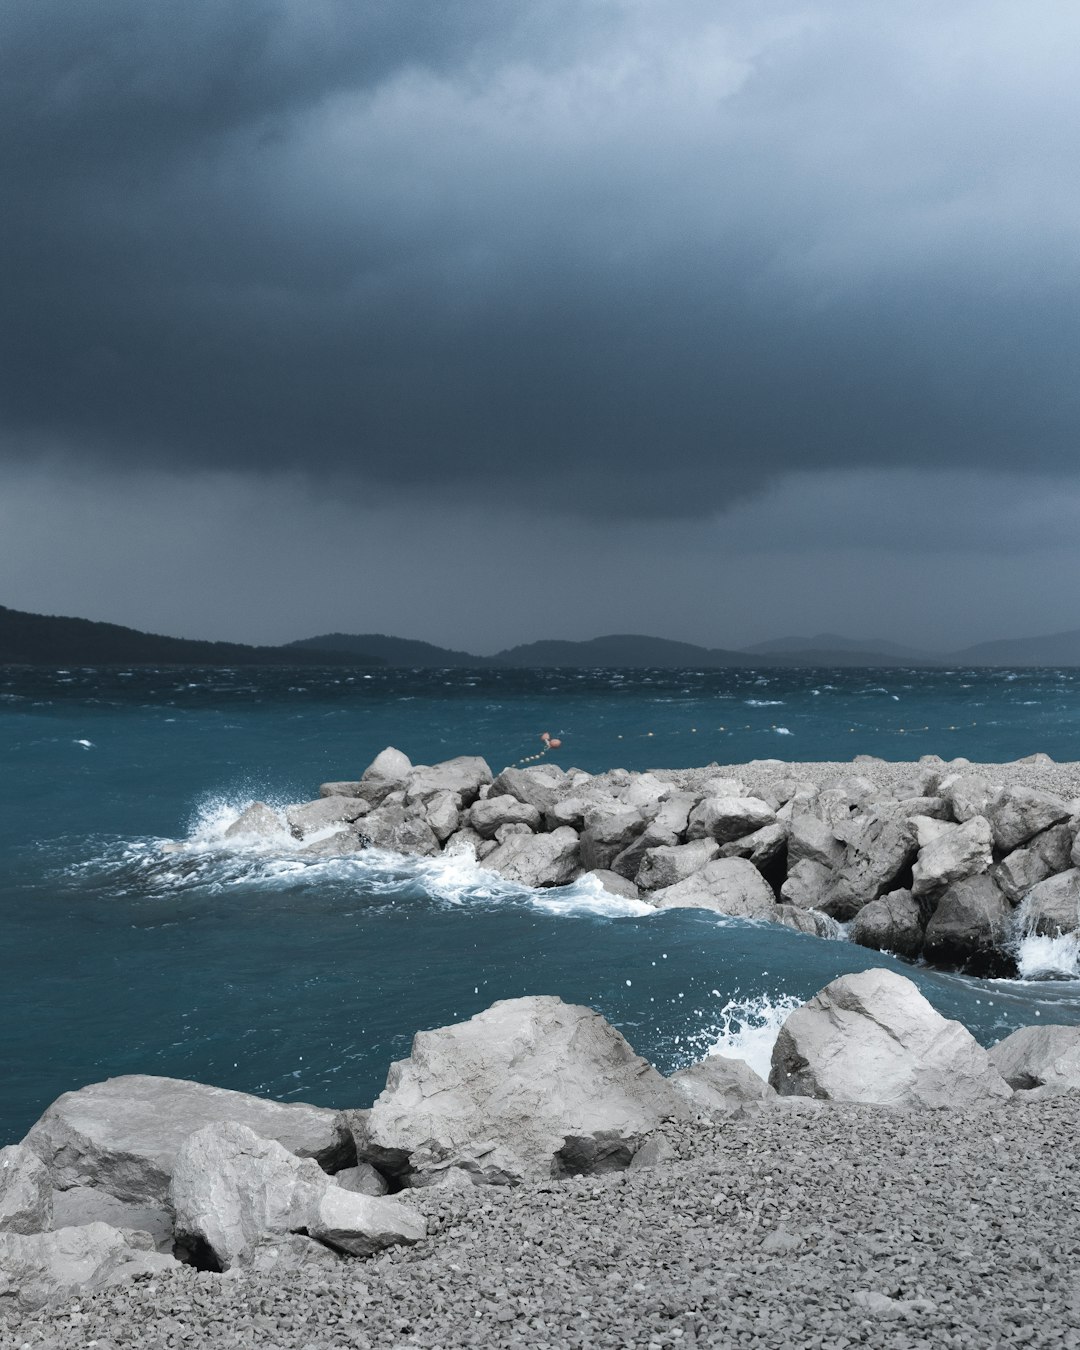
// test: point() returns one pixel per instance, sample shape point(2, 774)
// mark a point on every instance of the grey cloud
point(620, 260)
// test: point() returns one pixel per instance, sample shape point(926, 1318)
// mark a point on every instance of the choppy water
point(247, 965)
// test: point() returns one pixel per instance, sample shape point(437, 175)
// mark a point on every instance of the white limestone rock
point(730, 886)
point(123, 1135)
point(45, 1268)
point(728, 818)
point(1040, 1057)
point(487, 816)
point(538, 860)
point(671, 863)
point(1017, 813)
point(234, 1192)
point(955, 852)
point(529, 1088)
point(26, 1204)
point(872, 1037)
point(721, 1084)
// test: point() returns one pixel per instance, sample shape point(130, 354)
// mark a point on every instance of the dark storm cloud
point(621, 258)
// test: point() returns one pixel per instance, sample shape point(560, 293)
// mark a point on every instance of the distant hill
point(391, 651)
point(48, 640)
point(833, 642)
point(1056, 649)
point(635, 650)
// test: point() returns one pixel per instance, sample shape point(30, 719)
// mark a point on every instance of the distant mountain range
point(39, 639)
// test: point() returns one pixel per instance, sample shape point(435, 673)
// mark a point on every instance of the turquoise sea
point(303, 979)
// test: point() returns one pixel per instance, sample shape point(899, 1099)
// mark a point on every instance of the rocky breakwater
point(160, 1185)
point(949, 861)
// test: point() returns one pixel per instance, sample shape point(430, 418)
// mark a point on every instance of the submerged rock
point(872, 1037)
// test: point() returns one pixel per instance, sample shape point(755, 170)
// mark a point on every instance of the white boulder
point(731, 886)
point(233, 1192)
point(872, 1037)
point(1040, 1057)
point(529, 1088)
point(123, 1135)
point(25, 1191)
point(42, 1268)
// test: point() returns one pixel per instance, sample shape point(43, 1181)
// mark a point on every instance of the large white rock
point(386, 773)
point(43, 1268)
point(810, 839)
point(1042, 857)
point(233, 1192)
point(391, 826)
point(879, 850)
point(872, 1037)
point(541, 786)
point(955, 852)
point(538, 859)
point(25, 1191)
point(607, 833)
point(731, 886)
point(728, 818)
point(88, 1204)
point(1040, 1057)
point(123, 1135)
point(529, 1088)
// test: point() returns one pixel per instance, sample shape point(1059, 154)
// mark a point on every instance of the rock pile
point(531, 1092)
point(946, 861)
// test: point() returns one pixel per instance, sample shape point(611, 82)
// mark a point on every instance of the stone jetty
point(950, 862)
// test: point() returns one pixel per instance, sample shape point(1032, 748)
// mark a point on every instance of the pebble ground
point(830, 1227)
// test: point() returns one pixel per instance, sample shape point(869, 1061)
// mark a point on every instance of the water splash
point(747, 1029)
point(1048, 958)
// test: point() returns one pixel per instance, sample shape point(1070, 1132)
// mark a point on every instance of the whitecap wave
point(747, 1029)
point(1048, 958)
point(764, 702)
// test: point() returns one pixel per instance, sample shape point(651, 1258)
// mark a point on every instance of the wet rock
point(892, 923)
point(731, 886)
point(956, 852)
point(1040, 1057)
point(720, 1084)
point(728, 818)
point(615, 884)
point(42, 1268)
point(970, 927)
point(1018, 813)
point(487, 816)
point(872, 1037)
point(1052, 907)
point(672, 863)
point(123, 1135)
point(809, 921)
point(391, 826)
point(538, 859)
point(529, 1088)
point(25, 1191)
point(257, 821)
point(308, 817)
point(233, 1191)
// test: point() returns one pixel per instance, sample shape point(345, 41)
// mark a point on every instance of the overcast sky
point(482, 322)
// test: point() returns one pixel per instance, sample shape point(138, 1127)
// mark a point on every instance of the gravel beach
point(794, 1225)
